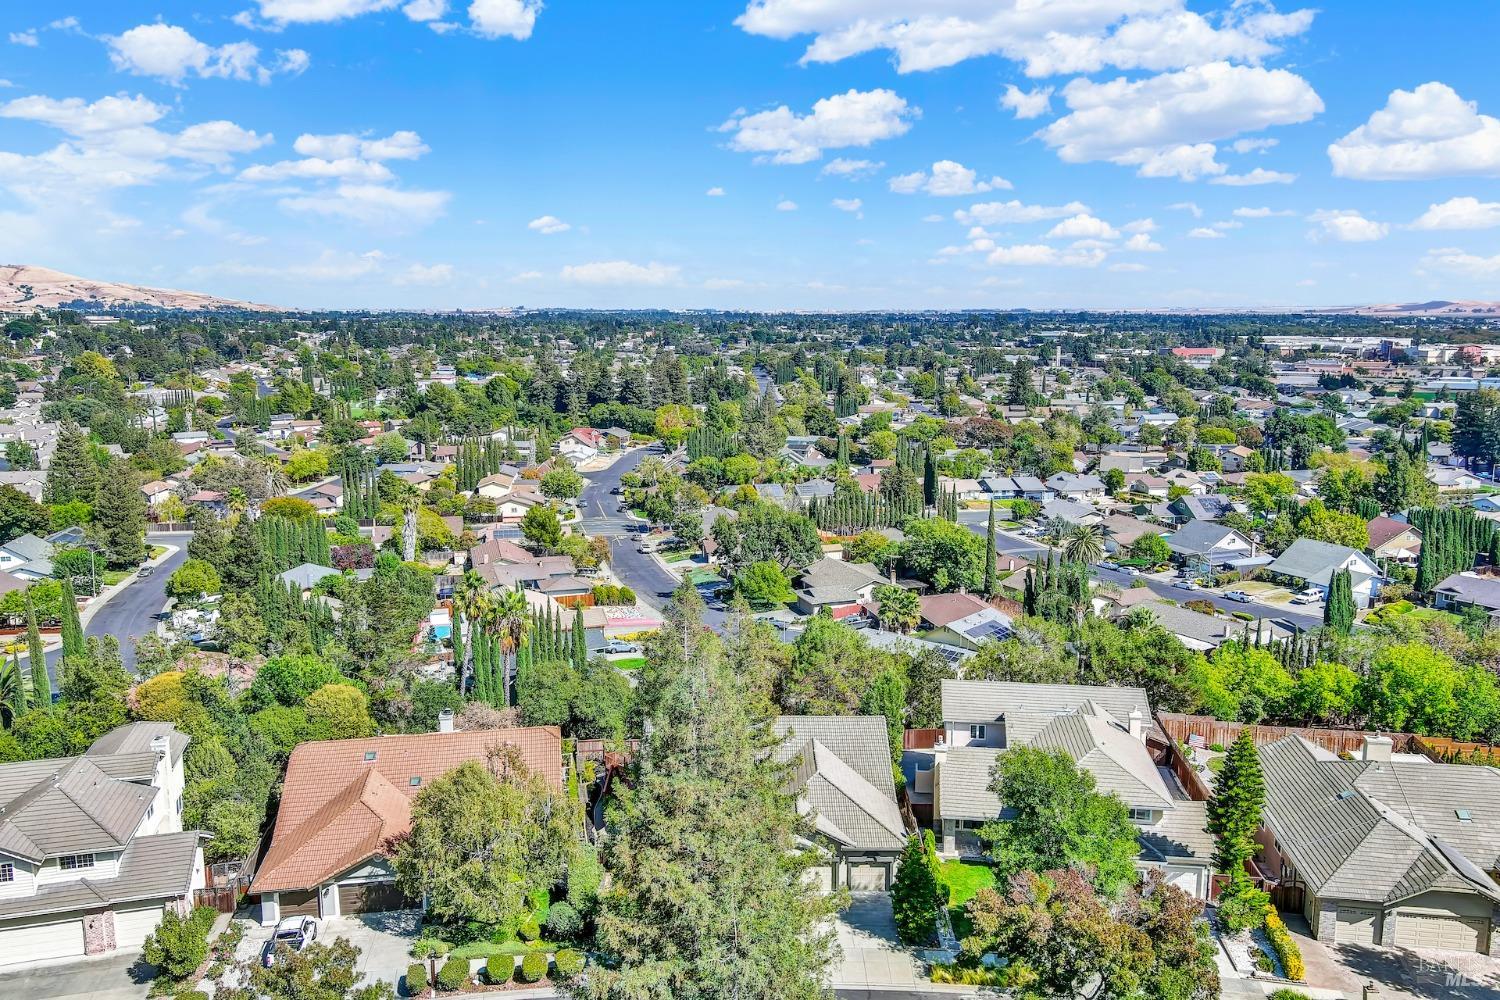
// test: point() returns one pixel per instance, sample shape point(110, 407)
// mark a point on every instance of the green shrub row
point(1286, 948)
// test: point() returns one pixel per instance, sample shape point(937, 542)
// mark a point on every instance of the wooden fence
point(1446, 751)
point(920, 739)
point(1211, 731)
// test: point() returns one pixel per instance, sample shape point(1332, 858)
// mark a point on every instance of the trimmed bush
point(530, 930)
point(563, 921)
point(416, 978)
point(1286, 947)
point(454, 974)
point(569, 962)
point(1288, 995)
point(499, 968)
point(533, 967)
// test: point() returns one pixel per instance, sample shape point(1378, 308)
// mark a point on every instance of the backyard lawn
point(963, 880)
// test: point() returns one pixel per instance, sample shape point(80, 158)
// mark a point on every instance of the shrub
point(180, 944)
point(569, 962)
point(1288, 995)
point(1242, 906)
point(1286, 947)
point(416, 978)
point(424, 946)
point(533, 967)
point(966, 976)
point(454, 974)
point(499, 968)
point(563, 921)
point(530, 930)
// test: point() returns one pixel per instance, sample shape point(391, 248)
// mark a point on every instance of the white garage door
point(38, 942)
point(1414, 930)
point(1185, 879)
point(867, 878)
point(819, 877)
point(1355, 926)
point(134, 924)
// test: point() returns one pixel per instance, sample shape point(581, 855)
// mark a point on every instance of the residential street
point(127, 614)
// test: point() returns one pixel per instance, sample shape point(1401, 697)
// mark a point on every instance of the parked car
point(1237, 595)
point(1185, 584)
point(1131, 571)
point(1308, 596)
point(621, 646)
point(295, 933)
point(1107, 564)
point(617, 491)
point(144, 572)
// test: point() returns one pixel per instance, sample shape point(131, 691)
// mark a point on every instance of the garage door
point(299, 904)
point(1355, 926)
point(1414, 930)
point(1185, 879)
point(372, 897)
point(36, 942)
point(134, 924)
point(820, 877)
point(868, 878)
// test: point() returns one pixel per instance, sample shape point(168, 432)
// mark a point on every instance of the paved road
point(114, 977)
point(604, 516)
point(127, 615)
point(1030, 548)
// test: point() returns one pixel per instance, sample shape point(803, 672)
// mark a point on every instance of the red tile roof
point(1383, 529)
point(338, 809)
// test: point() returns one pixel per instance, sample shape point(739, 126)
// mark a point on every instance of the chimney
point(1377, 748)
point(1137, 724)
point(445, 721)
point(160, 745)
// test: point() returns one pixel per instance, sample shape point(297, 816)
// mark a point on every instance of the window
point(1463, 815)
point(1140, 815)
point(70, 862)
point(976, 732)
point(369, 756)
point(415, 781)
point(7, 872)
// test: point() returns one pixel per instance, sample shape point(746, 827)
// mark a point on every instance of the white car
point(621, 646)
point(1307, 597)
point(1185, 585)
point(295, 933)
point(1237, 595)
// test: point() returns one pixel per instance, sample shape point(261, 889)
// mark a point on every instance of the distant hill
point(24, 287)
point(1437, 307)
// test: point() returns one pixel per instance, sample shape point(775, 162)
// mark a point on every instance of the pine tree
point(1339, 611)
point(914, 894)
point(1234, 810)
point(991, 583)
point(210, 541)
point(72, 628)
point(580, 641)
point(73, 473)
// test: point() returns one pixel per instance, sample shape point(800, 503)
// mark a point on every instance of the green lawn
point(629, 663)
point(964, 880)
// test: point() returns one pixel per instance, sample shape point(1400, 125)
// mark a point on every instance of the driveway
point(872, 956)
point(383, 939)
point(114, 977)
point(1406, 974)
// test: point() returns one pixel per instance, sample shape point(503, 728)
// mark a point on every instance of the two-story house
point(1103, 729)
point(92, 850)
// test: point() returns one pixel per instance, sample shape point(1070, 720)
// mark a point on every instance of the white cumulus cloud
point(1255, 177)
point(1460, 213)
point(548, 225)
point(947, 179)
point(994, 213)
point(621, 272)
point(851, 205)
point(715, 192)
point(1027, 103)
point(1347, 226)
point(170, 53)
point(1419, 134)
point(1083, 227)
point(1462, 262)
point(855, 118)
point(786, 205)
point(850, 169)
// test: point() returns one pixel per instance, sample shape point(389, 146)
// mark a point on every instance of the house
point(328, 495)
point(497, 484)
point(1031, 488)
point(156, 492)
point(1314, 563)
point(580, 444)
point(1207, 545)
point(306, 575)
point(1204, 508)
point(1452, 480)
point(1394, 540)
point(1147, 485)
point(1075, 487)
point(209, 501)
point(1121, 531)
point(92, 850)
point(842, 776)
point(1468, 590)
point(569, 591)
point(1104, 730)
point(963, 620)
point(1385, 849)
point(1071, 512)
point(27, 556)
point(342, 802)
point(839, 586)
point(1205, 633)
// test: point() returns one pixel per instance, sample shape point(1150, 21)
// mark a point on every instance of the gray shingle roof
point(833, 580)
point(1349, 843)
point(843, 776)
point(1201, 537)
point(1120, 764)
point(1470, 588)
point(1314, 561)
point(964, 784)
point(71, 806)
point(983, 701)
point(1180, 835)
point(307, 575)
point(155, 867)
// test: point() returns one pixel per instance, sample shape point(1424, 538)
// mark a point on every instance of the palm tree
point(511, 617)
point(1084, 543)
point(471, 601)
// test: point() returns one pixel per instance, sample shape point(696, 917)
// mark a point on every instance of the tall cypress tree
point(72, 628)
point(580, 640)
point(1338, 611)
point(915, 894)
point(991, 584)
point(36, 658)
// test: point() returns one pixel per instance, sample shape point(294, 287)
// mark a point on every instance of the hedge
point(454, 974)
point(499, 968)
point(416, 978)
point(533, 967)
point(569, 962)
point(530, 930)
point(1286, 948)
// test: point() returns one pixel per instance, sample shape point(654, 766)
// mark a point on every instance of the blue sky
point(824, 154)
